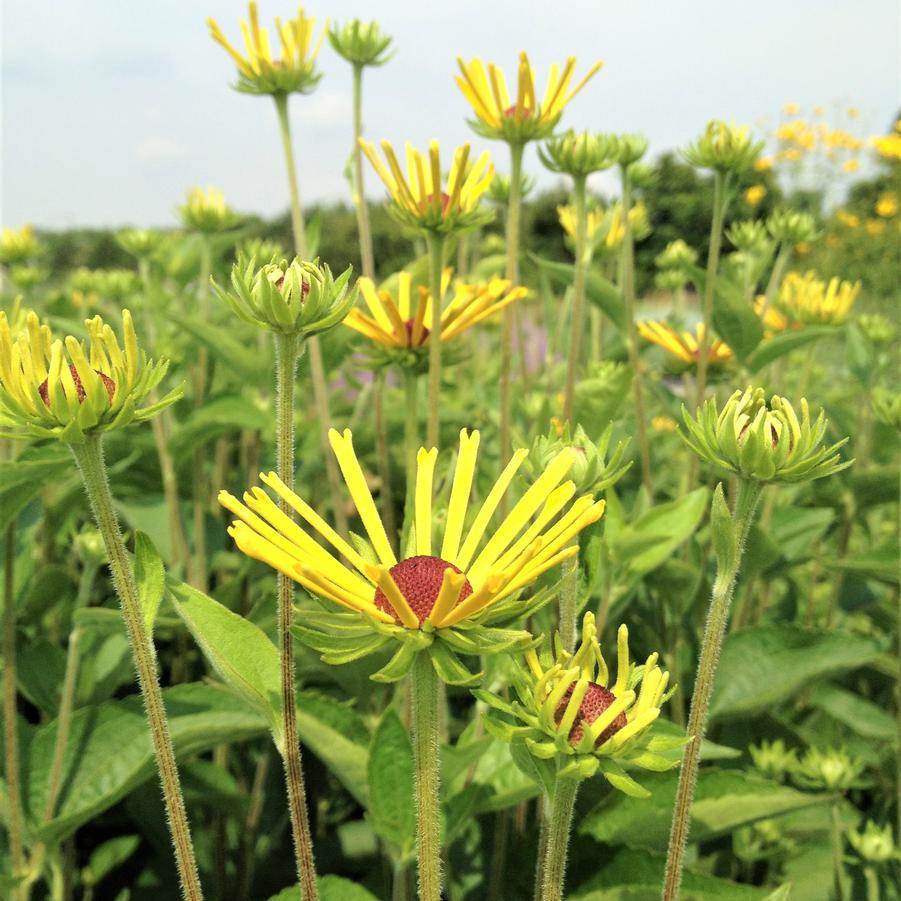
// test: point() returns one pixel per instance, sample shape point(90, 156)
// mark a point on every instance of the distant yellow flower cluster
point(889, 146)
point(809, 300)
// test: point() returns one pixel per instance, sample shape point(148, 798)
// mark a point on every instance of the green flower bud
point(25, 277)
point(18, 246)
point(296, 298)
point(591, 472)
point(774, 759)
point(762, 441)
point(643, 176)
point(670, 279)
point(724, 148)
point(207, 212)
point(877, 329)
point(632, 147)
point(139, 242)
point(791, 227)
point(831, 769)
point(762, 841)
point(580, 153)
point(360, 43)
point(499, 189)
point(677, 255)
point(89, 547)
point(874, 845)
point(573, 710)
point(748, 236)
point(67, 389)
point(261, 249)
point(887, 406)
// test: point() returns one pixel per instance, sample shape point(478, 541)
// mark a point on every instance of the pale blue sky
point(111, 110)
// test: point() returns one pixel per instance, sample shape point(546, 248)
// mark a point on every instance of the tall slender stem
point(554, 868)
point(366, 255)
point(772, 286)
point(836, 836)
point(199, 568)
point(576, 329)
point(745, 505)
point(569, 599)
point(512, 273)
point(317, 369)
point(411, 440)
point(11, 732)
point(872, 881)
point(628, 287)
point(381, 446)
point(89, 457)
point(720, 201)
point(424, 683)
point(436, 242)
point(286, 354)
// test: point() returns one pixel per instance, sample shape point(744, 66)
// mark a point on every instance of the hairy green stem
point(411, 440)
point(628, 287)
point(836, 837)
point(436, 242)
point(11, 732)
point(743, 514)
point(317, 369)
point(872, 881)
point(559, 824)
point(424, 684)
point(366, 255)
point(569, 599)
point(512, 273)
point(287, 350)
point(384, 461)
point(576, 330)
point(89, 457)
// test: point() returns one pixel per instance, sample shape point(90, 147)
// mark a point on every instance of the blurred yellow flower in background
point(887, 205)
point(850, 165)
point(684, 345)
point(847, 219)
point(755, 194)
point(810, 300)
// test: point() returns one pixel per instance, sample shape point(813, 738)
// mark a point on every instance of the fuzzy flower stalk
point(75, 392)
point(573, 717)
point(516, 120)
point(294, 301)
point(427, 204)
point(759, 442)
point(452, 593)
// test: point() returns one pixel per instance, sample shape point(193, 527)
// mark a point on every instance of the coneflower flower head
point(297, 298)
point(579, 154)
point(572, 710)
point(523, 117)
point(791, 226)
point(676, 255)
point(446, 597)
point(207, 212)
point(749, 236)
point(830, 769)
point(774, 759)
point(809, 300)
point(141, 243)
point(360, 43)
point(724, 148)
point(762, 440)
point(67, 389)
point(293, 71)
point(18, 246)
point(874, 844)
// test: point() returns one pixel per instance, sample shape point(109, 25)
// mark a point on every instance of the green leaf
point(391, 784)
point(864, 717)
point(794, 529)
point(734, 319)
point(222, 414)
point(724, 800)
point(111, 854)
point(785, 342)
point(631, 874)
point(331, 888)
point(150, 577)
point(722, 531)
point(763, 666)
point(29, 474)
point(110, 751)
point(240, 357)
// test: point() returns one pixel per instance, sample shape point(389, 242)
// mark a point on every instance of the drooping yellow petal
point(402, 608)
point(374, 302)
point(451, 585)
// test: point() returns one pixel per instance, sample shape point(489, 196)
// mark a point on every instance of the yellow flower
point(847, 219)
point(664, 424)
point(398, 324)
point(811, 301)
point(755, 194)
point(792, 154)
point(853, 112)
point(420, 200)
point(802, 247)
point(773, 320)
point(638, 219)
point(819, 110)
point(888, 146)
point(850, 165)
point(791, 109)
point(433, 588)
point(18, 246)
point(207, 211)
point(567, 217)
point(764, 164)
point(887, 205)
point(523, 118)
point(261, 73)
point(685, 346)
point(874, 227)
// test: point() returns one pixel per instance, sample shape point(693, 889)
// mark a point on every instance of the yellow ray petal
point(425, 469)
point(459, 496)
point(451, 585)
point(385, 581)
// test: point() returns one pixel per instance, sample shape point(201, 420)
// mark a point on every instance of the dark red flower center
point(422, 337)
point(108, 383)
point(419, 580)
point(510, 112)
point(304, 288)
point(445, 201)
point(597, 699)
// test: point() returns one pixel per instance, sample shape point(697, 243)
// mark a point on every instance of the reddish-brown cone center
point(597, 699)
point(445, 201)
point(108, 383)
point(510, 112)
point(419, 580)
point(422, 337)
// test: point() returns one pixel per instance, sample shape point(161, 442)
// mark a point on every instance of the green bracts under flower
point(579, 154)
point(763, 441)
point(67, 390)
point(360, 43)
point(724, 148)
point(296, 298)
